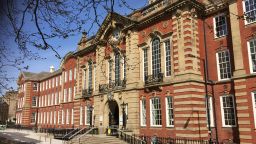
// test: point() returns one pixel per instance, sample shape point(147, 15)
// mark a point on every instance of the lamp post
point(206, 95)
point(123, 106)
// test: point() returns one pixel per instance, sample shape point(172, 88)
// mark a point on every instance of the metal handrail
point(78, 138)
point(77, 133)
point(86, 132)
point(69, 133)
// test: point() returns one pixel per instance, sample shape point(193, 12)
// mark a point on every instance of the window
point(52, 101)
point(53, 82)
point(75, 74)
point(156, 57)
point(220, 26)
point(56, 98)
point(59, 120)
point(54, 116)
point(110, 71)
point(59, 96)
point(124, 68)
point(228, 111)
point(252, 55)
point(81, 115)
point(84, 78)
point(57, 81)
point(223, 65)
point(33, 117)
point(169, 111)
point(72, 116)
point(145, 62)
point(35, 86)
point(117, 68)
point(155, 112)
point(70, 94)
point(65, 95)
point(143, 112)
point(249, 11)
point(90, 76)
point(70, 74)
point(34, 102)
point(62, 116)
point(67, 117)
point(51, 117)
point(211, 111)
point(45, 117)
point(88, 115)
point(46, 87)
point(254, 106)
point(74, 92)
point(50, 84)
point(60, 80)
point(65, 76)
point(168, 58)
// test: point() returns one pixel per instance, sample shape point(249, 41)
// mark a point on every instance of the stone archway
point(113, 115)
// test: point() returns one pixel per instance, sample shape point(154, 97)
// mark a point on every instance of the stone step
point(99, 139)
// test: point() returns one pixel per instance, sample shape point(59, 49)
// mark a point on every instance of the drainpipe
point(206, 78)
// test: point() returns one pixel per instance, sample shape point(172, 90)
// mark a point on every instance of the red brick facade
point(199, 33)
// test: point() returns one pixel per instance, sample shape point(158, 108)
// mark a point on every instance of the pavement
point(14, 136)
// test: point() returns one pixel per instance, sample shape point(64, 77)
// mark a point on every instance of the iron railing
point(120, 84)
point(169, 140)
point(86, 93)
point(154, 79)
point(130, 139)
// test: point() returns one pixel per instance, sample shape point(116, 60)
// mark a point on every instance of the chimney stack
point(51, 69)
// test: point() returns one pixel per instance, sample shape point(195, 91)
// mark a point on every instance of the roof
point(39, 76)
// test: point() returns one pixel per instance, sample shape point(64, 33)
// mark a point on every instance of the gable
point(112, 21)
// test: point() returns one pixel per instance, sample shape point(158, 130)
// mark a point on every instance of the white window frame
point(54, 116)
point(70, 75)
point(142, 110)
point(33, 101)
point(166, 111)
point(249, 54)
point(87, 114)
point(254, 106)
point(62, 116)
point(74, 73)
point(154, 68)
point(70, 94)
point(244, 11)
point(151, 114)
point(214, 26)
point(72, 116)
point(81, 115)
point(165, 53)
point(35, 88)
point(67, 116)
point(65, 95)
point(218, 67)
point(146, 49)
point(222, 111)
point(211, 111)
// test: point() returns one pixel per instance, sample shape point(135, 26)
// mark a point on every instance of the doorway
point(113, 114)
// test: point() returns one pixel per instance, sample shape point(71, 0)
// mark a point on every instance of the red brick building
point(154, 71)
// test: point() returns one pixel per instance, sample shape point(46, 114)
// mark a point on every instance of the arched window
point(90, 76)
point(156, 57)
point(117, 68)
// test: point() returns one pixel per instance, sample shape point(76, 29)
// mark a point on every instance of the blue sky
point(67, 45)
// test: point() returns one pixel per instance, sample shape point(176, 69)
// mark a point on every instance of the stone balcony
point(121, 84)
point(154, 79)
point(87, 93)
